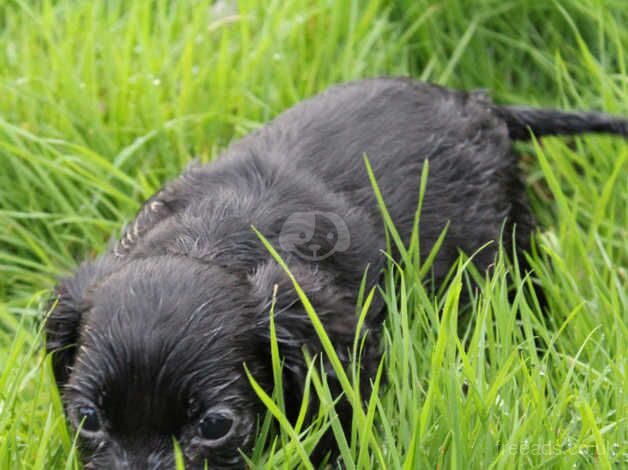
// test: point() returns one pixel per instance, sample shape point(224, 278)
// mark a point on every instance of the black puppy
point(149, 340)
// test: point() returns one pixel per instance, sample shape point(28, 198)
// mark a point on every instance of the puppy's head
point(152, 351)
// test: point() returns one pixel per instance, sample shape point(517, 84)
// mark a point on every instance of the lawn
point(103, 101)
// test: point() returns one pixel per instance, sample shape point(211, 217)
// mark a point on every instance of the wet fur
point(156, 329)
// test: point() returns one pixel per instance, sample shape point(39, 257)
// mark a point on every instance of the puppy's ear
point(64, 314)
point(334, 306)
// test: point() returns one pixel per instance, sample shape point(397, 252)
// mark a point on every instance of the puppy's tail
point(521, 121)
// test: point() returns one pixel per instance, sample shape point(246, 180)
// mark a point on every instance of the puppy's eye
point(215, 425)
point(88, 419)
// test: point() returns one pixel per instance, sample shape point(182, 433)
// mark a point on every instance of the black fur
point(155, 331)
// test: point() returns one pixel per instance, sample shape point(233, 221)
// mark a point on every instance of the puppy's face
point(158, 355)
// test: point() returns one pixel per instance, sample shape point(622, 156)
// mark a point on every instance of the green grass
point(102, 101)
